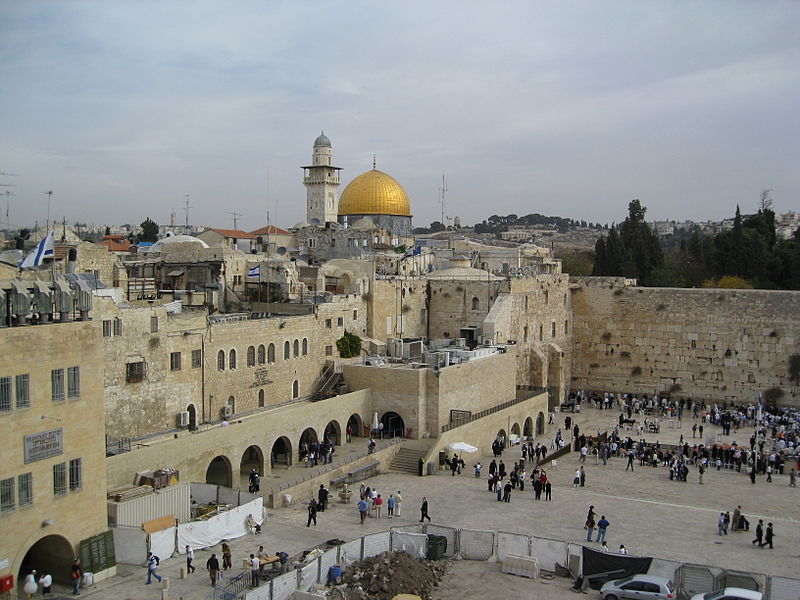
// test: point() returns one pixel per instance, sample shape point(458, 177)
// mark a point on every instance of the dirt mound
point(384, 576)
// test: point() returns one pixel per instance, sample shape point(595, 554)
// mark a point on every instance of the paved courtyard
point(648, 513)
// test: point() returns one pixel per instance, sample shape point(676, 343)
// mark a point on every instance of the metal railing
point(235, 588)
point(533, 391)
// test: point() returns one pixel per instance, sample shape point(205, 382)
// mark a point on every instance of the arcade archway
point(515, 429)
point(540, 423)
point(355, 426)
point(393, 425)
point(308, 438)
point(219, 472)
point(281, 452)
point(527, 429)
point(252, 460)
point(333, 432)
point(51, 554)
point(192, 416)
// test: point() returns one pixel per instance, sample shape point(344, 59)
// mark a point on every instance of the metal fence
point(481, 544)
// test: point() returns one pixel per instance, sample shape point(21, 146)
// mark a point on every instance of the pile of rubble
point(384, 576)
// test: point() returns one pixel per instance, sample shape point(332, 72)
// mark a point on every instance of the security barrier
point(476, 544)
point(451, 533)
point(512, 543)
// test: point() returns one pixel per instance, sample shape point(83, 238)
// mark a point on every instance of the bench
point(337, 482)
point(365, 472)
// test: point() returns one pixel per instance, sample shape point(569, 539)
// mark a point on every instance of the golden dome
point(374, 193)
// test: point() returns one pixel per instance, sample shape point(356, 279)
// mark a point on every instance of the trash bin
point(334, 574)
point(437, 546)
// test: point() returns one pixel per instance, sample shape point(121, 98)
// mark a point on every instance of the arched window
point(305, 346)
point(221, 360)
point(251, 356)
point(296, 348)
point(295, 389)
point(476, 304)
point(232, 404)
point(260, 398)
point(232, 359)
point(262, 354)
point(271, 353)
point(287, 350)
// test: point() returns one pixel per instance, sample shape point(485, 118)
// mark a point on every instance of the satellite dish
point(281, 250)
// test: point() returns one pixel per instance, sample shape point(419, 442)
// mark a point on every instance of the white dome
point(164, 243)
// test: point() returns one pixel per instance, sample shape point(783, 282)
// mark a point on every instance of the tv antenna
point(49, 195)
point(235, 216)
point(186, 208)
point(8, 204)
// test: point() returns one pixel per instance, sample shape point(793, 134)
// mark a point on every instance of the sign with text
point(45, 444)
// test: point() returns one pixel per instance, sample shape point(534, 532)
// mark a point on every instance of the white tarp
point(283, 586)
point(130, 545)
point(511, 543)
point(350, 552)
point(326, 561)
point(376, 543)
point(549, 552)
point(308, 575)
point(227, 525)
point(415, 544)
point(162, 543)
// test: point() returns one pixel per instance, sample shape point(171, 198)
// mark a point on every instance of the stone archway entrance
point(527, 429)
point(252, 460)
point(192, 417)
point(355, 426)
point(50, 554)
point(219, 472)
point(393, 425)
point(540, 423)
point(334, 433)
point(281, 452)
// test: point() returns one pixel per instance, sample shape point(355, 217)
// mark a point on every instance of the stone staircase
point(407, 457)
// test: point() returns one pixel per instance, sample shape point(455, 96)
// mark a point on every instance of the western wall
point(711, 344)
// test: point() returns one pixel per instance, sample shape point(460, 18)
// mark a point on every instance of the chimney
point(73, 258)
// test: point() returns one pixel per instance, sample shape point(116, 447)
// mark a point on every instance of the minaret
point(321, 179)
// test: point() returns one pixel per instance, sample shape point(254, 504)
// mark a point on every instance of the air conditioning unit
point(226, 411)
point(182, 419)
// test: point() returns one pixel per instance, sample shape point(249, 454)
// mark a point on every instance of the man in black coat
point(323, 497)
point(759, 532)
point(424, 510)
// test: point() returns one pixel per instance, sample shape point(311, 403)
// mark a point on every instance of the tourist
point(363, 508)
point(622, 549)
point(398, 500)
point(577, 479)
point(478, 470)
point(255, 565)
point(507, 492)
point(212, 565)
point(602, 526)
point(189, 558)
point(152, 565)
point(75, 576)
point(226, 556)
point(390, 504)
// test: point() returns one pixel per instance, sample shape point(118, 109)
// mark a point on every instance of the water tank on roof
point(63, 299)
point(42, 301)
point(20, 302)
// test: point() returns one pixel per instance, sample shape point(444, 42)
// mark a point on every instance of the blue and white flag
point(254, 271)
point(44, 249)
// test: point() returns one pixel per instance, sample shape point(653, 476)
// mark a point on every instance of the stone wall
point(701, 343)
point(393, 298)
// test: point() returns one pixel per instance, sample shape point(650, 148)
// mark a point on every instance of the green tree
point(349, 345)
point(641, 242)
point(149, 230)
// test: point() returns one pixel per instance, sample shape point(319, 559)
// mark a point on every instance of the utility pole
point(443, 192)
point(49, 195)
point(8, 204)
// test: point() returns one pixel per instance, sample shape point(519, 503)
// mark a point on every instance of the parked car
point(638, 587)
point(730, 593)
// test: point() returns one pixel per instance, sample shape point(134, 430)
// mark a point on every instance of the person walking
point(630, 461)
point(589, 526)
point(577, 479)
point(700, 470)
point(722, 524)
point(212, 566)
point(75, 576)
point(390, 504)
point(768, 536)
point(255, 565)
point(152, 566)
point(423, 510)
point(583, 476)
point(398, 500)
point(363, 507)
point(548, 488)
point(793, 478)
point(507, 492)
point(312, 512)
point(323, 497)
point(602, 526)
point(189, 558)
point(737, 515)
point(759, 532)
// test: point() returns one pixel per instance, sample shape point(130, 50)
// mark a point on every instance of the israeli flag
point(44, 249)
point(254, 271)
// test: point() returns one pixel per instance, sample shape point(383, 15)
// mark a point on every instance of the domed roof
point(322, 141)
point(171, 240)
point(374, 193)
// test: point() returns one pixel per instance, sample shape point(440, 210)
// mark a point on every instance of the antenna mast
point(49, 195)
point(186, 208)
point(236, 216)
point(443, 192)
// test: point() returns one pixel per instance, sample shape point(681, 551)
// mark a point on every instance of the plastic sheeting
point(512, 543)
point(376, 543)
point(326, 561)
point(476, 544)
point(549, 552)
point(308, 575)
point(260, 593)
point(283, 586)
point(415, 544)
point(224, 526)
point(130, 545)
point(663, 568)
point(783, 588)
point(451, 533)
point(162, 543)
point(350, 552)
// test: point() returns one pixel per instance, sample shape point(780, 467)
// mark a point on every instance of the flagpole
point(49, 195)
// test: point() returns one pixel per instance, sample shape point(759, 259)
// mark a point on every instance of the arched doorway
point(333, 432)
point(281, 452)
point(308, 438)
point(219, 472)
point(393, 425)
point(252, 459)
point(527, 429)
point(354, 426)
point(540, 423)
point(192, 416)
point(515, 431)
point(51, 554)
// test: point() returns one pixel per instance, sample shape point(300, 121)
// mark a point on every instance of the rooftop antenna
point(374, 162)
point(236, 216)
point(443, 192)
point(49, 195)
point(186, 208)
point(8, 204)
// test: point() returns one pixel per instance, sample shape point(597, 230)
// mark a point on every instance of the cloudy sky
point(563, 108)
